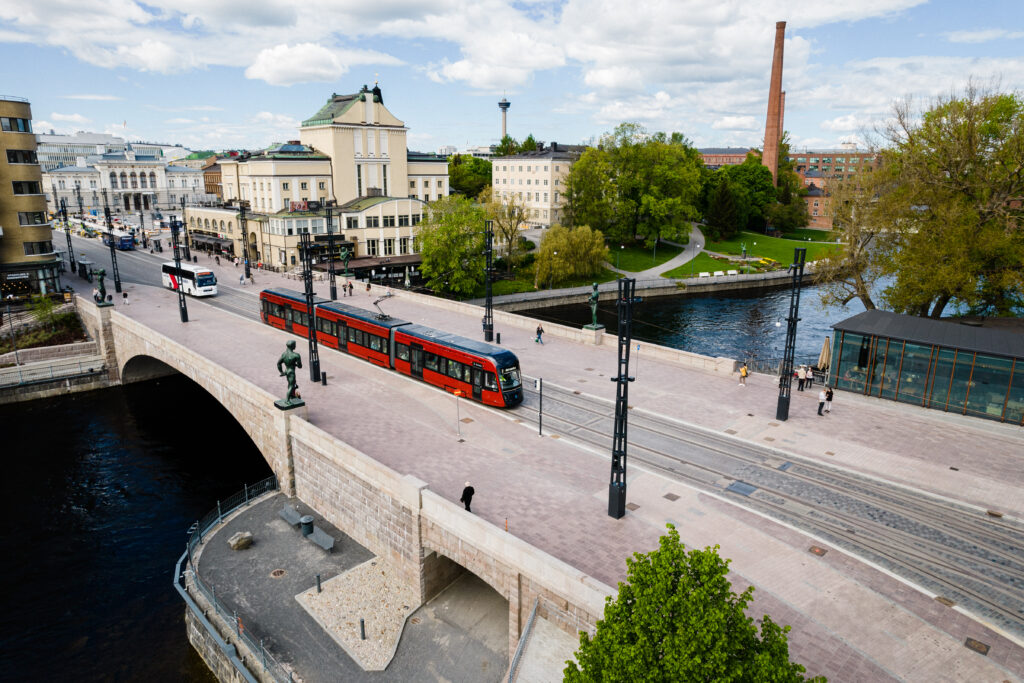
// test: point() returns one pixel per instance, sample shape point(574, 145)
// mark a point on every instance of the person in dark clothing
point(351, 288)
point(828, 399)
point(467, 496)
point(540, 333)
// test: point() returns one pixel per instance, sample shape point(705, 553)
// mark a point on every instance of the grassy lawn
point(523, 282)
point(804, 234)
point(775, 248)
point(635, 259)
point(705, 263)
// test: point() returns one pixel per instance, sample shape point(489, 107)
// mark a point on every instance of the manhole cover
point(277, 573)
point(415, 620)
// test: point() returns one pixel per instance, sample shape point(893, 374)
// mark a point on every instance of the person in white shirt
point(821, 401)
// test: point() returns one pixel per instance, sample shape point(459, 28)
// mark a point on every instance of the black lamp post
point(67, 233)
point(330, 251)
point(488, 276)
point(242, 206)
point(617, 485)
point(184, 224)
point(786, 377)
point(182, 308)
point(142, 229)
point(113, 245)
point(81, 210)
point(307, 277)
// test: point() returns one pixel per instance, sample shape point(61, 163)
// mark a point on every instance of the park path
point(688, 253)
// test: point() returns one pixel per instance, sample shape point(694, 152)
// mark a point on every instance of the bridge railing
point(513, 668)
point(243, 634)
point(20, 375)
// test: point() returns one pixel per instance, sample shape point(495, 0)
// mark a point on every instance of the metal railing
point(20, 374)
point(262, 659)
point(521, 648)
point(771, 366)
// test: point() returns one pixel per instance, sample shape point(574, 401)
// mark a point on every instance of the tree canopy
point(451, 241)
point(676, 618)
point(508, 216)
point(943, 207)
point(636, 185)
point(568, 253)
point(468, 175)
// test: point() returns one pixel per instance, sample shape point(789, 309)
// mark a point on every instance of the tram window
point(325, 326)
point(490, 382)
point(342, 332)
point(455, 369)
point(301, 318)
point(430, 361)
point(352, 335)
point(402, 351)
point(376, 343)
point(277, 310)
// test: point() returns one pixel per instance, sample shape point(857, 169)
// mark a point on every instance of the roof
point(725, 150)
point(363, 203)
point(73, 169)
point(182, 169)
point(425, 156)
point(503, 357)
point(363, 314)
point(943, 332)
point(335, 107)
point(295, 296)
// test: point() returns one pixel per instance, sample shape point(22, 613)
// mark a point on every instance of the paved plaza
point(850, 621)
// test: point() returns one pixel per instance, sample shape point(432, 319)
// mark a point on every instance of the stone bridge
point(429, 539)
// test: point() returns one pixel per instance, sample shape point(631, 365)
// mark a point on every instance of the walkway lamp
point(621, 247)
point(694, 258)
point(488, 277)
point(67, 233)
point(184, 224)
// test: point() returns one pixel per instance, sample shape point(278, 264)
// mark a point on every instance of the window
point(31, 218)
point(545, 181)
point(412, 184)
point(403, 245)
point(431, 361)
point(403, 220)
point(32, 248)
point(415, 219)
point(92, 184)
point(545, 196)
point(282, 258)
point(352, 222)
point(373, 221)
point(302, 186)
point(13, 125)
point(527, 181)
point(21, 156)
point(440, 183)
point(323, 185)
point(371, 247)
point(26, 187)
point(389, 221)
point(402, 352)
point(389, 247)
point(284, 186)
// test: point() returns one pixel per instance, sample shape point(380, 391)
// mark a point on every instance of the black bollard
point(497, 336)
point(318, 589)
point(362, 628)
point(323, 378)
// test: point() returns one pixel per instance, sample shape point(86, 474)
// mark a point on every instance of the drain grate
point(785, 466)
point(277, 573)
point(671, 496)
point(820, 552)
point(632, 506)
point(977, 646)
point(741, 487)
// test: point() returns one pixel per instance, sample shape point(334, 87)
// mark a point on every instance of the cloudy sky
point(243, 73)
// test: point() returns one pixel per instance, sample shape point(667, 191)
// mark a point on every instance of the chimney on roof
point(294, 142)
point(554, 146)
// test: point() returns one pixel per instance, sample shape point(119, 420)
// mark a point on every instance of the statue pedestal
point(285, 404)
point(597, 330)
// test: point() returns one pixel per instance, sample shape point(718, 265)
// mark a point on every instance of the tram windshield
point(509, 377)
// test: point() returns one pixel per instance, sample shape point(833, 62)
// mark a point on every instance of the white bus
point(194, 280)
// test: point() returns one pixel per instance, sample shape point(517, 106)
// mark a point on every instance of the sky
point(224, 74)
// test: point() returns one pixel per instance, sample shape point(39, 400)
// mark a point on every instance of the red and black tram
point(484, 372)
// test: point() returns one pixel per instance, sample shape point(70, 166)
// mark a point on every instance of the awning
point(207, 239)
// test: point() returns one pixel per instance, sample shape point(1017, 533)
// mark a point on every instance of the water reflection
point(730, 325)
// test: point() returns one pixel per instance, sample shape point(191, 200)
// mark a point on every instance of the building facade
point(28, 262)
point(818, 168)
point(64, 150)
point(717, 157)
point(132, 182)
point(536, 178)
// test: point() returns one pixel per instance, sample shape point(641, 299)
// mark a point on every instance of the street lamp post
point(306, 252)
point(786, 377)
point(113, 247)
point(182, 308)
point(330, 251)
point(184, 225)
point(621, 247)
point(242, 205)
point(694, 259)
point(488, 276)
point(142, 229)
point(551, 271)
point(617, 483)
point(67, 233)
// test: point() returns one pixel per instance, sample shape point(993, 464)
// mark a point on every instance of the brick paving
point(850, 622)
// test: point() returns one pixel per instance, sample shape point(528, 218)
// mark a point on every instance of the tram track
point(948, 548)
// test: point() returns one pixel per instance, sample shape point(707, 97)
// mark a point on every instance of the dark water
point(739, 326)
point(99, 491)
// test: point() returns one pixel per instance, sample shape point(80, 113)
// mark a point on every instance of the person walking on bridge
point(540, 334)
point(467, 496)
point(822, 397)
point(743, 375)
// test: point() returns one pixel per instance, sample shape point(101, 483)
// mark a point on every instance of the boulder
point(241, 540)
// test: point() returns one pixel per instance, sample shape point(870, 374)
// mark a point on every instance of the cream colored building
point(537, 178)
point(274, 178)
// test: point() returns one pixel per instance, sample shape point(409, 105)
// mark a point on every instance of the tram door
point(288, 318)
point(416, 360)
point(478, 381)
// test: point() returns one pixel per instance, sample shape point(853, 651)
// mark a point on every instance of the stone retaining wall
point(60, 352)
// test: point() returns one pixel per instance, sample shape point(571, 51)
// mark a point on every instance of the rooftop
point(335, 107)
point(552, 151)
point(725, 150)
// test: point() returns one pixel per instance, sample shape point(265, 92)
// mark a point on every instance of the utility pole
point(184, 224)
point(242, 206)
point(617, 485)
point(67, 233)
point(142, 229)
point(113, 247)
point(182, 308)
point(786, 376)
point(307, 278)
point(488, 276)
point(330, 251)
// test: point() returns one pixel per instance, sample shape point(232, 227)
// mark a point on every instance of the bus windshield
point(206, 280)
point(509, 377)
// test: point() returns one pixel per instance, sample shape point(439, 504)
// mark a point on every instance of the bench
point(290, 514)
point(322, 539)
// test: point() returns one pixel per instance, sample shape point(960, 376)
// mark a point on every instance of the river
point(740, 326)
point(100, 490)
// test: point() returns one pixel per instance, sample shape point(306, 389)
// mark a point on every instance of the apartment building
point(536, 178)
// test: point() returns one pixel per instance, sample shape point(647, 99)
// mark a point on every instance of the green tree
point(852, 271)
point(468, 175)
point(948, 199)
point(530, 144)
point(44, 309)
point(508, 217)
point(590, 194)
point(676, 618)
point(507, 147)
point(451, 241)
point(725, 215)
point(569, 253)
point(752, 182)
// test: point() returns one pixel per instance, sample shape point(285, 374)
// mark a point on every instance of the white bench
point(732, 272)
point(704, 274)
point(718, 272)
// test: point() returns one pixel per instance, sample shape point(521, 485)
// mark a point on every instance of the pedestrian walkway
point(851, 622)
point(690, 251)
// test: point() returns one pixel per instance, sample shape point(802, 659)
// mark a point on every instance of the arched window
point(124, 180)
point(229, 226)
point(192, 221)
point(222, 226)
point(206, 224)
point(113, 180)
point(134, 179)
point(142, 180)
point(152, 180)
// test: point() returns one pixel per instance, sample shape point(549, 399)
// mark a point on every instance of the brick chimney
point(773, 121)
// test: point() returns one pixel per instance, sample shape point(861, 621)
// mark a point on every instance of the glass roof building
point(956, 367)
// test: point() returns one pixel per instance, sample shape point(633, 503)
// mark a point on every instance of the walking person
point(540, 334)
point(801, 378)
point(217, 259)
point(467, 496)
point(241, 279)
point(822, 397)
point(743, 375)
point(351, 289)
point(252, 280)
point(828, 399)
point(367, 288)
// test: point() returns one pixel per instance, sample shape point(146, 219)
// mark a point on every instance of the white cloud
point(309, 62)
point(982, 36)
point(70, 118)
point(737, 123)
point(180, 121)
point(99, 98)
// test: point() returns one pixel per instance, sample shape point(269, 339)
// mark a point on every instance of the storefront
point(25, 279)
point(968, 368)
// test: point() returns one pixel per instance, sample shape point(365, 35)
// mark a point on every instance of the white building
point(537, 179)
point(63, 150)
